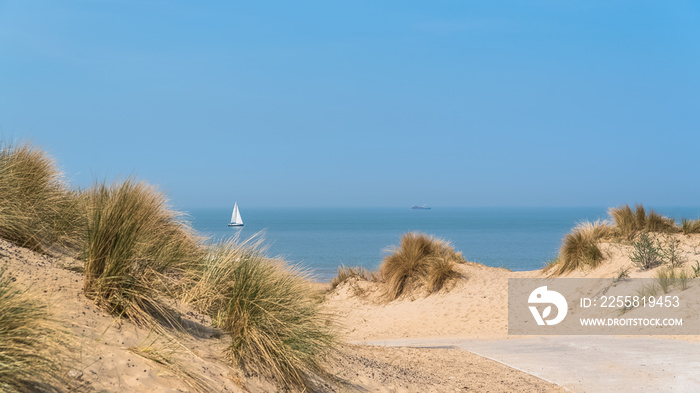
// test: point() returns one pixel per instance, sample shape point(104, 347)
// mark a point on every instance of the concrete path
point(590, 363)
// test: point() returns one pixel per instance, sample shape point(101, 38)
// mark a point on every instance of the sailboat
point(236, 220)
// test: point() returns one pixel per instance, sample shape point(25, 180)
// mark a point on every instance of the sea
point(322, 239)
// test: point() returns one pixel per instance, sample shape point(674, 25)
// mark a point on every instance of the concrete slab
point(589, 363)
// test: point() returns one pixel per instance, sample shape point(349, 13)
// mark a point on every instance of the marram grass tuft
point(419, 261)
point(136, 247)
point(29, 340)
point(629, 223)
point(270, 311)
point(346, 273)
point(37, 210)
point(580, 246)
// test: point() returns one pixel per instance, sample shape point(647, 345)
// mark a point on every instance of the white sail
point(236, 216)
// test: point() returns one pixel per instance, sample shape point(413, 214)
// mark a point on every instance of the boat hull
point(235, 225)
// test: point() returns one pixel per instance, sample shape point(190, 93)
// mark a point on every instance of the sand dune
point(115, 356)
point(477, 306)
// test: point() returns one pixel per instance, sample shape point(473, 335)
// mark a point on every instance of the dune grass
point(138, 256)
point(136, 249)
point(269, 310)
point(629, 223)
point(666, 278)
point(419, 261)
point(346, 273)
point(580, 247)
point(37, 210)
point(550, 264)
point(28, 341)
point(690, 226)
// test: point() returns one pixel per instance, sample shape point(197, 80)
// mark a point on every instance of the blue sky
point(363, 103)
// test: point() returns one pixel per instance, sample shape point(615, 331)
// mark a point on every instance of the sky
point(362, 103)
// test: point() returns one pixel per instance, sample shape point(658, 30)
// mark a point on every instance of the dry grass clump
point(669, 277)
point(347, 273)
point(580, 246)
point(690, 226)
point(270, 311)
point(419, 261)
point(629, 223)
point(135, 250)
point(440, 272)
point(27, 342)
point(138, 253)
point(550, 264)
point(37, 210)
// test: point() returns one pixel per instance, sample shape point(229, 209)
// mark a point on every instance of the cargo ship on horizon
point(424, 207)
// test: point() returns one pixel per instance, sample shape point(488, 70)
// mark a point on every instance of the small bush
point(270, 311)
point(673, 255)
point(419, 261)
point(622, 275)
point(690, 226)
point(646, 254)
point(580, 246)
point(135, 247)
point(27, 363)
point(37, 210)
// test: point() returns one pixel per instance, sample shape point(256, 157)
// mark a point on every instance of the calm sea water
point(323, 239)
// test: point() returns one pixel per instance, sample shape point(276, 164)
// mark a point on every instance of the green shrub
point(270, 311)
point(673, 255)
point(646, 254)
point(37, 210)
point(419, 261)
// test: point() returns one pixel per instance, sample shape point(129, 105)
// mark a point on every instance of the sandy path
point(421, 370)
point(589, 363)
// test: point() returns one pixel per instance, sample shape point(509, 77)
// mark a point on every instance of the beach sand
point(116, 356)
point(477, 305)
